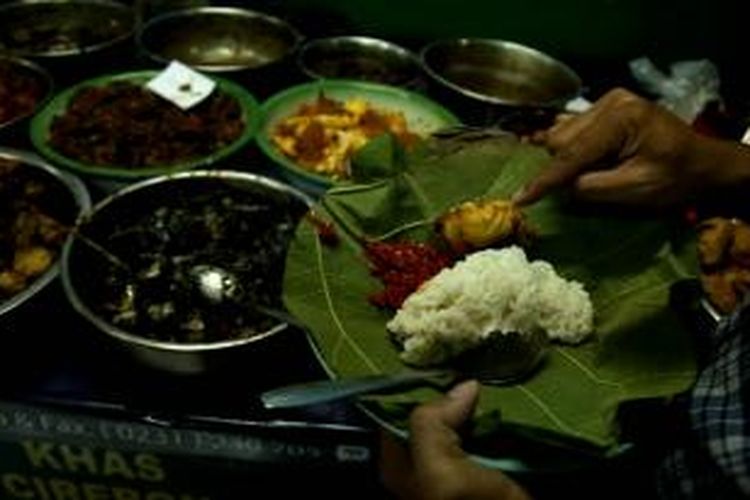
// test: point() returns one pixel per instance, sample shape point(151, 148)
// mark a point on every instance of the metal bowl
point(61, 28)
point(33, 72)
point(218, 39)
point(76, 203)
point(500, 72)
point(83, 285)
point(359, 58)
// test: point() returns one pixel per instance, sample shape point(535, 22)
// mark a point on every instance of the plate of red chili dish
point(113, 127)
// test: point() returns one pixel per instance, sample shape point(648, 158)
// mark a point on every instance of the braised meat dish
point(126, 125)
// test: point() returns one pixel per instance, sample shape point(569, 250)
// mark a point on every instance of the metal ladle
point(218, 286)
point(503, 359)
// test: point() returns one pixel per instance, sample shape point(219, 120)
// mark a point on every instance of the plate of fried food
point(38, 206)
point(312, 130)
point(724, 256)
point(434, 257)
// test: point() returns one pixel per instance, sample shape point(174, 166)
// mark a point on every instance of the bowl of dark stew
point(114, 128)
point(184, 271)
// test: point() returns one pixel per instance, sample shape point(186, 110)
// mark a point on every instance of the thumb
point(434, 425)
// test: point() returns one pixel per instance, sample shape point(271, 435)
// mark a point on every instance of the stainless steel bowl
point(39, 75)
point(60, 28)
point(218, 39)
point(359, 58)
point(500, 72)
point(133, 203)
point(78, 203)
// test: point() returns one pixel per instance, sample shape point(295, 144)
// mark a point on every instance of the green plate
point(42, 123)
point(423, 116)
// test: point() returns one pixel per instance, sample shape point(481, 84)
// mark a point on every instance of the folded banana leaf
point(626, 262)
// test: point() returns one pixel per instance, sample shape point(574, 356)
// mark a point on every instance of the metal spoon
point(218, 285)
point(504, 359)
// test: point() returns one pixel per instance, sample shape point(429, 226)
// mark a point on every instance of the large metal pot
point(252, 47)
point(83, 285)
point(490, 79)
point(218, 39)
point(72, 39)
point(359, 58)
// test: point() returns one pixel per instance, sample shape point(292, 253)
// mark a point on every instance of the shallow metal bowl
point(500, 72)
point(61, 28)
point(218, 38)
point(133, 203)
point(359, 58)
point(38, 75)
point(76, 203)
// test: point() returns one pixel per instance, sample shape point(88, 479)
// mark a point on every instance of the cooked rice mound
point(491, 290)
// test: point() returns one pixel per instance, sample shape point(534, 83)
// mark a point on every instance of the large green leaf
point(627, 264)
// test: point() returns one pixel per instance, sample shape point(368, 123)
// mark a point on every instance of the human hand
point(628, 150)
point(434, 466)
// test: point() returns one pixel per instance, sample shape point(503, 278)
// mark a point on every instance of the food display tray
point(79, 419)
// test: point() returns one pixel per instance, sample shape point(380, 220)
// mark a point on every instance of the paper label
point(181, 85)
point(578, 105)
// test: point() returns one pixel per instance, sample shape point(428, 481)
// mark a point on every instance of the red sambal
point(402, 267)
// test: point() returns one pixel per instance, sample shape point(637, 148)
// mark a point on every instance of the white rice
point(491, 290)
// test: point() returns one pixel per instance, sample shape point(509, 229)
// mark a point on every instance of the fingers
point(615, 186)
point(435, 448)
point(579, 144)
point(395, 466)
point(438, 467)
point(635, 182)
point(585, 152)
point(433, 426)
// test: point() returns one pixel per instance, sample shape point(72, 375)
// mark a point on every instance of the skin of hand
point(434, 466)
point(628, 150)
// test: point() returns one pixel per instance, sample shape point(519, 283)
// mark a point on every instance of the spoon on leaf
point(503, 359)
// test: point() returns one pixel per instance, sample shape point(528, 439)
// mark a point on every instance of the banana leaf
point(627, 263)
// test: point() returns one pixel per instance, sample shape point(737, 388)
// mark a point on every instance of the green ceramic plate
point(42, 122)
point(423, 116)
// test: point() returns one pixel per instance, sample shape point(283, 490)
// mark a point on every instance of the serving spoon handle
point(324, 391)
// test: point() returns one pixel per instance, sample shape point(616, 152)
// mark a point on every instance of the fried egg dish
point(322, 136)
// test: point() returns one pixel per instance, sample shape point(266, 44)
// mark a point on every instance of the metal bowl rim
point(115, 6)
point(143, 33)
point(38, 71)
point(157, 345)
point(564, 68)
point(81, 197)
point(364, 41)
